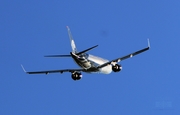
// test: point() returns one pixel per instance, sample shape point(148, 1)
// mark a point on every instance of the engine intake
point(116, 68)
point(76, 75)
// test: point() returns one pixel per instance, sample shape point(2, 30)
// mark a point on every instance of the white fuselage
point(91, 62)
point(99, 61)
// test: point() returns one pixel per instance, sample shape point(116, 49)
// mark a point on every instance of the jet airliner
point(88, 63)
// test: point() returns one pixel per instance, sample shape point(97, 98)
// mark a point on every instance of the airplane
point(88, 63)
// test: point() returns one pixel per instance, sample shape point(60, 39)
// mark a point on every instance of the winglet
point(23, 68)
point(148, 43)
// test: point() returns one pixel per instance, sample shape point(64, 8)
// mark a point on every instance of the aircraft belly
point(106, 70)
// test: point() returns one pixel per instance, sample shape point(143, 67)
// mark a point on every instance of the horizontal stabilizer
point(57, 56)
point(86, 50)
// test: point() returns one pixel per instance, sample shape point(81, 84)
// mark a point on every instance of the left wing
point(125, 57)
point(52, 71)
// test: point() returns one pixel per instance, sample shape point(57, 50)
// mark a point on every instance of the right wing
point(125, 57)
point(52, 71)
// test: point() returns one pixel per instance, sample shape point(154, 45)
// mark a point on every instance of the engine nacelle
point(116, 68)
point(76, 75)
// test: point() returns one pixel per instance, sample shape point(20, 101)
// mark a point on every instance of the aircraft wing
point(52, 71)
point(125, 57)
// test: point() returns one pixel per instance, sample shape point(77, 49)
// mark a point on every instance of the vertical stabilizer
point(74, 49)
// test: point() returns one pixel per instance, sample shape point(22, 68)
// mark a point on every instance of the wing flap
point(133, 54)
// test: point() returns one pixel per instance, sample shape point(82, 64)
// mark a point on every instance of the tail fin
point(74, 49)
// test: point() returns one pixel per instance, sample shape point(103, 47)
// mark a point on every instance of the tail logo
point(73, 46)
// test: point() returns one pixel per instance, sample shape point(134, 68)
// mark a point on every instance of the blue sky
point(147, 85)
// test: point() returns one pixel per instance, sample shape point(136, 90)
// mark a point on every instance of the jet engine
point(116, 68)
point(76, 75)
